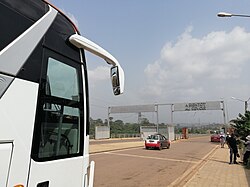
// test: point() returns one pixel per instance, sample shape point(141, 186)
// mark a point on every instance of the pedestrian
point(228, 136)
point(247, 152)
point(232, 143)
point(222, 139)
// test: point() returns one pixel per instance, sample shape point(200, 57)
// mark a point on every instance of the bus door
point(57, 149)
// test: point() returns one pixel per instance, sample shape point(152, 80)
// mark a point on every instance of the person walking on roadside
point(247, 152)
point(228, 136)
point(232, 143)
point(222, 139)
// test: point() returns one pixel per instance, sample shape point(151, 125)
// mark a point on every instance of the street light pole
point(246, 106)
point(226, 14)
point(245, 102)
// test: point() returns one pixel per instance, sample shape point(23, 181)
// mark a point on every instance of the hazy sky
point(171, 52)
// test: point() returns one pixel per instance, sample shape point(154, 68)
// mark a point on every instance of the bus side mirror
point(117, 79)
point(116, 72)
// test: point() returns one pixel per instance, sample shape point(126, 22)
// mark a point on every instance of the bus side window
point(60, 125)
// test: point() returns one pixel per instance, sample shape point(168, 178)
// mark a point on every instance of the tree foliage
point(119, 127)
point(242, 124)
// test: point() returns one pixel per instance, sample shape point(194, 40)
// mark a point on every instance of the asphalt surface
point(135, 167)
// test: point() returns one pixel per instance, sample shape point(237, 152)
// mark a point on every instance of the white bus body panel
point(5, 152)
point(16, 53)
point(63, 172)
point(17, 114)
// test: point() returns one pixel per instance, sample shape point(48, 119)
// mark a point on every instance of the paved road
point(137, 167)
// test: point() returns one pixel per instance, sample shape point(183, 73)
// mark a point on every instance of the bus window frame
point(47, 53)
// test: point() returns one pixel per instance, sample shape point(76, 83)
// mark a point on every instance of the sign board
point(208, 105)
point(132, 109)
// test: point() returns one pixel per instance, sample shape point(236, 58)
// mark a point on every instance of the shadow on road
point(220, 161)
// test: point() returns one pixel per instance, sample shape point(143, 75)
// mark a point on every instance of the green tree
point(116, 127)
point(144, 121)
point(242, 124)
point(132, 128)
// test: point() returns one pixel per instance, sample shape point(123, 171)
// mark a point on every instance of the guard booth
point(167, 131)
point(102, 132)
point(145, 131)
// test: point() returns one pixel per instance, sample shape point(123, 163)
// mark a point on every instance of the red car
point(157, 141)
point(215, 138)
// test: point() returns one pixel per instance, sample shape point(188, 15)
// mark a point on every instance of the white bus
point(44, 107)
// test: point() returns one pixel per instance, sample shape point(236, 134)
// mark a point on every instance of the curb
point(188, 175)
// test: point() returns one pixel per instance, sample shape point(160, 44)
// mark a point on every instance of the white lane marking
point(156, 158)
